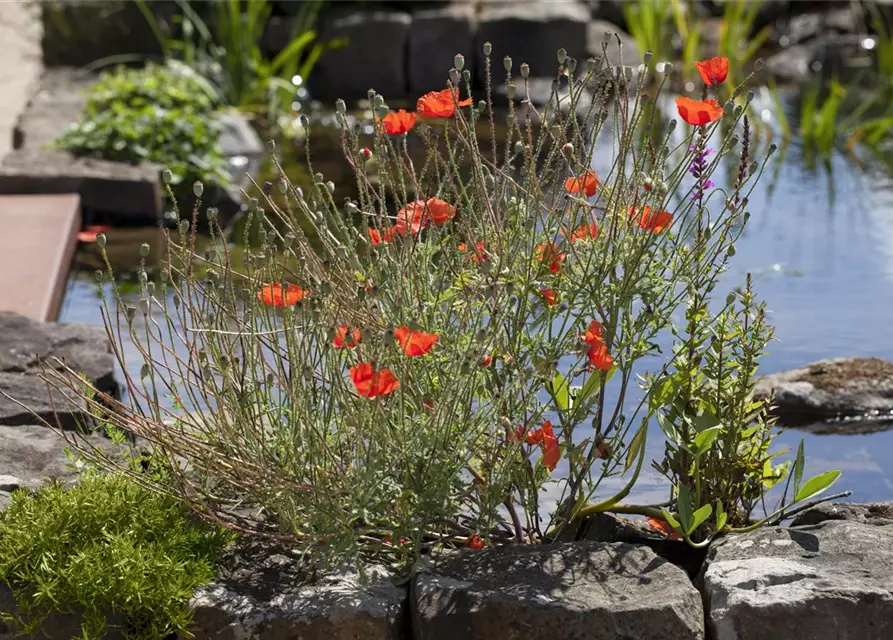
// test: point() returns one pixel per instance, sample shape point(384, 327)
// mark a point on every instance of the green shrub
point(154, 114)
point(105, 546)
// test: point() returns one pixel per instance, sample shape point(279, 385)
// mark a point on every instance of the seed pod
point(101, 240)
point(567, 149)
point(455, 76)
point(525, 70)
point(459, 61)
point(198, 188)
point(510, 91)
point(330, 186)
point(507, 63)
point(144, 250)
point(561, 55)
point(488, 49)
point(340, 106)
point(466, 76)
point(167, 176)
point(647, 58)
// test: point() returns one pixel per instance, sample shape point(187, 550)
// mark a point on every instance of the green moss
point(105, 547)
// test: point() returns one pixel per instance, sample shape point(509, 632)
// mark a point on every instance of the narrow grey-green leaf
point(816, 485)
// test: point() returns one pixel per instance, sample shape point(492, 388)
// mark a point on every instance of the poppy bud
point(519, 146)
point(100, 240)
point(507, 63)
point(98, 275)
point(455, 76)
point(592, 65)
point(647, 57)
point(772, 148)
point(370, 94)
point(671, 126)
point(144, 250)
point(482, 105)
point(383, 110)
point(480, 335)
point(510, 91)
point(525, 70)
point(352, 208)
point(377, 101)
point(268, 187)
point(571, 64)
point(340, 106)
point(488, 49)
point(668, 68)
point(567, 149)
point(731, 251)
point(330, 186)
point(562, 55)
point(606, 38)
point(648, 184)
point(151, 288)
point(758, 64)
point(167, 176)
point(198, 188)
point(366, 153)
point(299, 192)
point(283, 187)
point(304, 121)
point(459, 61)
point(466, 75)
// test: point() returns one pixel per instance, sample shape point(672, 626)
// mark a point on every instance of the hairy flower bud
point(519, 146)
point(366, 153)
point(567, 149)
point(488, 49)
point(144, 249)
point(459, 61)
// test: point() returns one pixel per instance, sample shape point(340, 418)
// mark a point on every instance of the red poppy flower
point(486, 361)
point(474, 542)
point(549, 254)
point(346, 338)
point(593, 335)
point(537, 437)
point(415, 343)
point(411, 218)
point(587, 183)
point(551, 452)
point(370, 383)
point(698, 112)
point(664, 527)
point(479, 254)
point(655, 222)
point(399, 123)
point(599, 358)
point(440, 104)
point(428, 404)
point(549, 296)
point(378, 236)
point(713, 71)
point(439, 211)
point(275, 295)
point(585, 232)
point(89, 234)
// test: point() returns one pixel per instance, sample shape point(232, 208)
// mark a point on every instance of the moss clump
point(105, 548)
point(833, 376)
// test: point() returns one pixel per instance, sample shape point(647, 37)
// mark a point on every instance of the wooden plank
point(36, 248)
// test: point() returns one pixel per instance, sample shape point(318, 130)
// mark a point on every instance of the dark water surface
point(820, 247)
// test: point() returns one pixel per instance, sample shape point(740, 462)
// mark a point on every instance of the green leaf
point(594, 382)
point(662, 393)
point(816, 485)
point(699, 517)
point(669, 429)
point(671, 520)
point(721, 516)
point(683, 504)
point(560, 391)
point(636, 445)
point(705, 421)
point(798, 468)
point(705, 439)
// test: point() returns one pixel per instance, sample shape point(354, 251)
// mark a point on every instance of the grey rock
point(58, 626)
point(571, 591)
point(265, 599)
point(25, 343)
point(10, 483)
point(531, 33)
point(57, 103)
point(126, 190)
point(437, 36)
point(626, 51)
point(808, 26)
point(830, 389)
point(374, 58)
point(827, 55)
point(879, 513)
point(609, 10)
point(827, 582)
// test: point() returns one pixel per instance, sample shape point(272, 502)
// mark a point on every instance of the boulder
point(830, 389)
point(879, 513)
point(531, 33)
point(576, 591)
point(627, 51)
point(373, 58)
point(826, 582)
point(437, 36)
point(265, 594)
point(828, 55)
point(24, 344)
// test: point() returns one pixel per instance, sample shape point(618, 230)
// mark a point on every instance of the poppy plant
point(415, 343)
point(479, 254)
point(549, 296)
point(537, 437)
point(411, 218)
point(382, 237)
point(398, 123)
point(474, 542)
point(653, 221)
point(276, 295)
point(550, 255)
point(663, 527)
point(551, 452)
point(91, 232)
point(439, 211)
point(346, 338)
point(586, 183)
point(698, 112)
point(599, 358)
point(713, 71)
point(486, 361)
point(585, 232)
point(593, 335)
point(370, 383)
point(440, 104)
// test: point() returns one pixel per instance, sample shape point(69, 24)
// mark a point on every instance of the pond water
point(820, 246)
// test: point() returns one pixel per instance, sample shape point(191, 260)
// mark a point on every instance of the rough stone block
point(437, 36)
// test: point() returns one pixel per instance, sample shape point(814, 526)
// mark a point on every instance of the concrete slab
point(36, 249)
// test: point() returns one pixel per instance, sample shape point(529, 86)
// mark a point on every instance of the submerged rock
point(830, 390)
point(878, 513)
point(824, 582)
point(571, 591)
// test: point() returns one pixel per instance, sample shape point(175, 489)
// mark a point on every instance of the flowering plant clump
point(451, 356)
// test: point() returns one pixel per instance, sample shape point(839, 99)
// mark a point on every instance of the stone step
point(36, 248)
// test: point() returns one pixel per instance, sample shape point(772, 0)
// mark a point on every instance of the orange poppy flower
point(378, 236)
point(440, 104)
point(439, 211)
point(585, 232)
point(474, 542)
point(698, 112)
point(593, 335)
point(549, 296)
point(599, 358)
point(415, 343)
point(536, 437)
point(91, 232)
point(411, 218)
point(345, 337)
point(551, 452)
point(664, 527)
point(479, 254)
point(587, 183)
point(713, 71)
point(549, 254)
point(399, 123)
point(275, 295)
point(655, 222)
point(370, 383)
point(486, 361)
